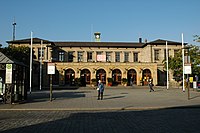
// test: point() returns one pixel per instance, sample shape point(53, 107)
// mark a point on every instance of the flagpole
point(31, 58)
point(167, 66)
point(183, 58)
point(41, 65)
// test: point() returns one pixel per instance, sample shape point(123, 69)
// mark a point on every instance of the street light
point(14, 27)
point(51, 78)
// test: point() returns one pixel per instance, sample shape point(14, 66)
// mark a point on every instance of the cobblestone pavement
point(146, 121)
point(124, 110)
point(114, 99)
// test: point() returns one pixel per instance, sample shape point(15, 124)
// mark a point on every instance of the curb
point(104, 109)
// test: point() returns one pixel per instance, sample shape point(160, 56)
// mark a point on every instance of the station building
point(137, 62)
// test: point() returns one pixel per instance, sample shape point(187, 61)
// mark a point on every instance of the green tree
point(21, 54)
point(195, 59)
point(196, 38)
point(176, 62)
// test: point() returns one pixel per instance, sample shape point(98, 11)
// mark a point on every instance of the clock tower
point(97, 36)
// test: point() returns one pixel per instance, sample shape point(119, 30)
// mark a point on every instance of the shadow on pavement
point(193, 97)
point(45, 96)
point(148, 121)
point(113, 97)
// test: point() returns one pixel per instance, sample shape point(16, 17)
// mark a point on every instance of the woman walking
point(151, 85)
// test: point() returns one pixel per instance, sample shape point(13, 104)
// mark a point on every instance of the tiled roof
point(161, 42)
point(99, 44)
point(5, 59)
point(96, 44)
point(35, 40)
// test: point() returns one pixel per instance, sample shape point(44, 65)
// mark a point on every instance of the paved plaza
point(115, 98)
point(130, 109)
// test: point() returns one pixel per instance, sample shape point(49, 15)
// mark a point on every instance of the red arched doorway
point(132, 77)
point(117, 76)
point(69, 77)
point(146, 76)
point(101, 75)
point(85, 77)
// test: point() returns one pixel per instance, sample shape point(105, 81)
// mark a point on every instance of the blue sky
point(117, 20)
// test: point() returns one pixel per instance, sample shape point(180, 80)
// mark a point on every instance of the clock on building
point(97, 36)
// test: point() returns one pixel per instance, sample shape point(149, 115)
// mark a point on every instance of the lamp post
point(31, 61)
point(167, 61)
point(14, 27)
point(41, 65)
point(51, 78)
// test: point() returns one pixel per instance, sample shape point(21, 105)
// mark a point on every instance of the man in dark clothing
point(100, 90)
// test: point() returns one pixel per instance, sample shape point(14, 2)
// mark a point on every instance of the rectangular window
point(70, 56)
point(156, 55)
point(135, 57)
point(117, 56)
point(61, 56)
point(99, 53)
point(80, 56)
point(165, 54)
point(126, 56)
point(89, 56)
point(108, 57)
point(39, 53)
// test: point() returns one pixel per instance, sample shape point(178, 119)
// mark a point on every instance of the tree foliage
point(20, 54)
point(176, 62)
point(195, 59)
point(196, 38)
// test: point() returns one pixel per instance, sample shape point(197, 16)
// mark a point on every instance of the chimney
point(145, 41)
point(140, 40)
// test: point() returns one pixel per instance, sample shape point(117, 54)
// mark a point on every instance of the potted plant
point(78, 81)
point(124, 81)
point(141, 81)
point(110, 81)
point(94, 82)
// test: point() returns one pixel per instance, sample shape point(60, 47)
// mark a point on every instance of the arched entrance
point(101, 75)
point(69, 77)
point(132, 77)
point(85, 77)
point(117, 76)
point(146, 76)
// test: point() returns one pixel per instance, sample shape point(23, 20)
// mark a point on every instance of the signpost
point(187, 70)
point(8, 73)
point(101, 57)
point(8, 81)
point(51, 70)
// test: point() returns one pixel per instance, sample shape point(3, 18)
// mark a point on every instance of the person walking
point(151, 85)
point(100, 90)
